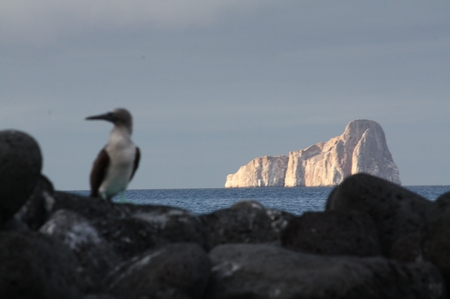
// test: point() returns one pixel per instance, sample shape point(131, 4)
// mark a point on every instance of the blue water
point(294, 200)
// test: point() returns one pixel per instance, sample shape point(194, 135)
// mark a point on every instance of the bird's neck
point(120, 134)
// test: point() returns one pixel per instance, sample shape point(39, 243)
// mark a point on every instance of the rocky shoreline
point(375, 239)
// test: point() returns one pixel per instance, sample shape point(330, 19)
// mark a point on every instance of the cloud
point(39, 22)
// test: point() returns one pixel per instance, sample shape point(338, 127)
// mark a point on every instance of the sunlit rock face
point(361, 148)
point(371, 155)
point(260, 172)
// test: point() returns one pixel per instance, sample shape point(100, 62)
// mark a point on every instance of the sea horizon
point(275, 187)
point(296, 200)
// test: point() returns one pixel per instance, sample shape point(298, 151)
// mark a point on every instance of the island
point(362, 148)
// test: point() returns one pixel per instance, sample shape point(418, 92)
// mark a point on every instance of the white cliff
point(371, 155)
point(361, 148)
point(260, 172)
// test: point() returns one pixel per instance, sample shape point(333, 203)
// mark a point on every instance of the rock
point(36, 266)
point(436, 243)
point(37, 208)
point(260, 172)
point(407, 248)
point(20, 166)
point(133, 229)
point(244, 222)
point(301, 170)
point(247, 204)
point(396, 211)
point(332, 233)
point(362, 148)
point(438, 208)
point(371, 154)
point(126, 236)
point(98, 296)
point(94, 253)
point(179, 270)
point(171, 224)
point(279, 219)
point(264, 271)
point(91, 208)
point(14, 224)
point(102, 235)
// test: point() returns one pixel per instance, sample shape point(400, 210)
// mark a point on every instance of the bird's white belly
point(119, 171)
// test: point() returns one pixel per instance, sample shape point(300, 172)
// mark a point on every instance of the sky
point(213, 84)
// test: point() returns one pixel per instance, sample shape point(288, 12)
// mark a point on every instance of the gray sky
point(214, 84)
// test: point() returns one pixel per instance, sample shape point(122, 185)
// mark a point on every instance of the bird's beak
point(107, 116)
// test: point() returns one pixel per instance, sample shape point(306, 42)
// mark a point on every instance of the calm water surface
point(294, 200)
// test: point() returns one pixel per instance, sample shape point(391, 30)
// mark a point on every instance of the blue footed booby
point(118, 160)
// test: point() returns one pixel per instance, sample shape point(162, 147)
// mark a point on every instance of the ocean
point(295, 200)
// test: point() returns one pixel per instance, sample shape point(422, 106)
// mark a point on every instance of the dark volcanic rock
point(20, 166)
point(265, 271)
point(332, 233)
point(99, 296)
point(133, 229)
point(396, 211)
point(245, 222)
point(14, 224)
point(126, 236)
point(94, 253)
point(436, 243)
point(179, 270)
point(37, 208)
point(407, 248)
point(91, 208)
point(171, 224)
point(279, 219)
point(438, 208)
point(247, 204)
point(36, 266)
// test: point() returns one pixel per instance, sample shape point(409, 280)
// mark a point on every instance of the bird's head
point(119, 117)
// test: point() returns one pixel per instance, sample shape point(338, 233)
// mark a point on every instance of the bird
point(119, 159)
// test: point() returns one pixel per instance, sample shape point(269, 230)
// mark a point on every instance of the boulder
point(279, 219)
point(396, 211)
point(37, 209)
point(179, 270)
point(20, 166)
point(94, 253)
point(37, 266)
point(171, 224)
point(126, 236)
point(99, 296)
point(332, 233)
point(436, 241)
point(408, 248)
point(133, 229)
point(265, 271)
point(244, 222)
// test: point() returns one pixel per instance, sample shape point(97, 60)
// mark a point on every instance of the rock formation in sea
point(362, 148)
point(260, 172)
